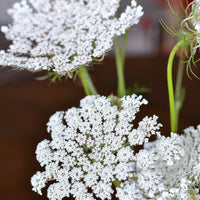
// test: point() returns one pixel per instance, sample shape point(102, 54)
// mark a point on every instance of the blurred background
point(26, 104)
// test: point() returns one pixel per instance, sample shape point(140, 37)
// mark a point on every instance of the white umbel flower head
point(169, 168)
point(62, 35)
point(91, 152)
point(190, 29)
point(195, 17)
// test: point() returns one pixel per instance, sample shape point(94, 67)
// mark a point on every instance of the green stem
point(88, 86)
point(179, 90)
point(123, 50)
point(120, 62)
point(179, 77)
point(83, 80)
point(170, 85)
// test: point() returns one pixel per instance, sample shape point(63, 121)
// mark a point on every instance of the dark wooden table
point(27, 104)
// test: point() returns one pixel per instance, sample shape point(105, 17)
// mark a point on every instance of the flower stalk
point(120, 63)
point(179, 89)
point(88, 85)
point(174, 103)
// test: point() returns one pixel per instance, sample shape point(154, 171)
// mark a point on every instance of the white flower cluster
point(92, 149)
point(62, 35)
point(191, 25)
point(195, 14)
point(169, 168)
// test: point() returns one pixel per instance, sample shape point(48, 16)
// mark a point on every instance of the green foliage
point(137, 89)
point(53, 76)
point(117, 183)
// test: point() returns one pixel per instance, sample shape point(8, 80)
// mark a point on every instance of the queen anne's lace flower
point(62, 35)
point(191, 26)
point(168, 168)
point(91, 155)
point(195, 16)
point(92, 149)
